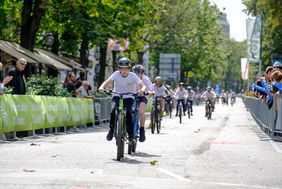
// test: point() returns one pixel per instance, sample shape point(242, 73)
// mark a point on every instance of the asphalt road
point(228, 151)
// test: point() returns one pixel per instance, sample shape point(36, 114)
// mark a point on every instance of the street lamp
point(49, 39)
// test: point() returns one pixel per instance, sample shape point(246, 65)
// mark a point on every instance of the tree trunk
point(103, 63)
point(55, 45)
point(83, 52)
point(140, 57)
point(114, 53)
point(31, 17)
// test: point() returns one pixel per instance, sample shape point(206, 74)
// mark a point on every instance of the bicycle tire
point(134, 146)
point(189, 111)
point(153, 121)
point(180, 115)
point(119, 138)
point(129, 149)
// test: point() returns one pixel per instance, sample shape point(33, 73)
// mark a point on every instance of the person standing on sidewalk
point(139, 71)
point(5, 81)
point(18, 80)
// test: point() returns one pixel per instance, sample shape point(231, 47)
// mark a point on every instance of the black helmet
point(124, 62)
point(137, 69)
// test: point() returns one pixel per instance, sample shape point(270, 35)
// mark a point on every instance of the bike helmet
point(189, 88)
point(209, 88)
point(181, 84)
point(124, 62)
point(137, 69)
point(158, 79)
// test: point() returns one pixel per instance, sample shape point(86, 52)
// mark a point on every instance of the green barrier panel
point(21, 113)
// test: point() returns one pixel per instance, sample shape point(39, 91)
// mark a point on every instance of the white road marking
point(275, 147)
point(180, 178)
point(172, 174)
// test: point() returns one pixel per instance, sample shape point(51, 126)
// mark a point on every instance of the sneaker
point(142, 137)
point(110, 134)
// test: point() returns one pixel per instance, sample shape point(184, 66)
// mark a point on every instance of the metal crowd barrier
point(270, 120)
point(102, 108)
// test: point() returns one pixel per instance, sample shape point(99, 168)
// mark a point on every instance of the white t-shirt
point(180, 94)
point(159, 91)
point(82, 92)
point(147, 82)
point(191, 95)
point(125, 84)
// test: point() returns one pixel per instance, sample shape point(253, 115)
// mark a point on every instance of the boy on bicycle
point(124, 82)
point(139, 71)
point(180, 95)
point(209, 96)
point(160, 91)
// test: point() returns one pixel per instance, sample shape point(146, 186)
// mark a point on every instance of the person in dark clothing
point(18, 81)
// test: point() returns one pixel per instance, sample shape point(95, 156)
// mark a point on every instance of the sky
point(235, 16)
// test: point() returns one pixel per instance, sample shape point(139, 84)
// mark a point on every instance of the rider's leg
point(128, 103)
point(112, 118)
point(142, 121)
point(161, 105)
point(183, 105)
point(177, 105)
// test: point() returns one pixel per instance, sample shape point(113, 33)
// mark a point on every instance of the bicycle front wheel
point(180, 115)
point(119, 138)
point(153, 121)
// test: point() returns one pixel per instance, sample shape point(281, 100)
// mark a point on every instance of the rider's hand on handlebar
point(101, 90)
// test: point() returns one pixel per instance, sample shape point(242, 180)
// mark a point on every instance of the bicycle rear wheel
point(119, 138)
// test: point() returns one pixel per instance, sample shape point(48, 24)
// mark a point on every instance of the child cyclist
point(124, 82)
point(139, 71)
point(180, 95)
point(160, 91)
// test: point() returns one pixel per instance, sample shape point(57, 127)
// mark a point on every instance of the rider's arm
point(105, 84)
point(143, 87)
point(204, 94)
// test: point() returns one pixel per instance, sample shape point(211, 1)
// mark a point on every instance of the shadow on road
point(143, 154)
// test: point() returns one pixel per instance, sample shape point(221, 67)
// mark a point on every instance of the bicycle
point(120, 128)
point(189, 108)
point(209, 109)
point(168, 106)
point(180, 109)
point(136, 124)
point(156, 116)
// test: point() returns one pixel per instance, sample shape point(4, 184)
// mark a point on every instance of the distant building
point(225, 26)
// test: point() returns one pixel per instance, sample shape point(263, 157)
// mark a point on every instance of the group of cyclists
point(126, 81)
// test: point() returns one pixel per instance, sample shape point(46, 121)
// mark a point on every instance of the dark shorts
point(142, 99)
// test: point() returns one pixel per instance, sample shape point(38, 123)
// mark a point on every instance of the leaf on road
point(28, 170)
point(33, 144)
point(153, 162)
point(196, 131)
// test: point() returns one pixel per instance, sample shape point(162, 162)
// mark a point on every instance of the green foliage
point(45, 86)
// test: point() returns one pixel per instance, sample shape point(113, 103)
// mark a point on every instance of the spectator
point(69, 84)
point(5, 81)
point(84, 91)
point(277, 66)
point(267, 74)
point(18, 81)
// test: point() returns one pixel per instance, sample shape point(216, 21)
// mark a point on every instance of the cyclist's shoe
point(162, 113)
point(184, 114)
point(110, 134)
point(191, 113)
point(142, 137)
point(176, 115)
